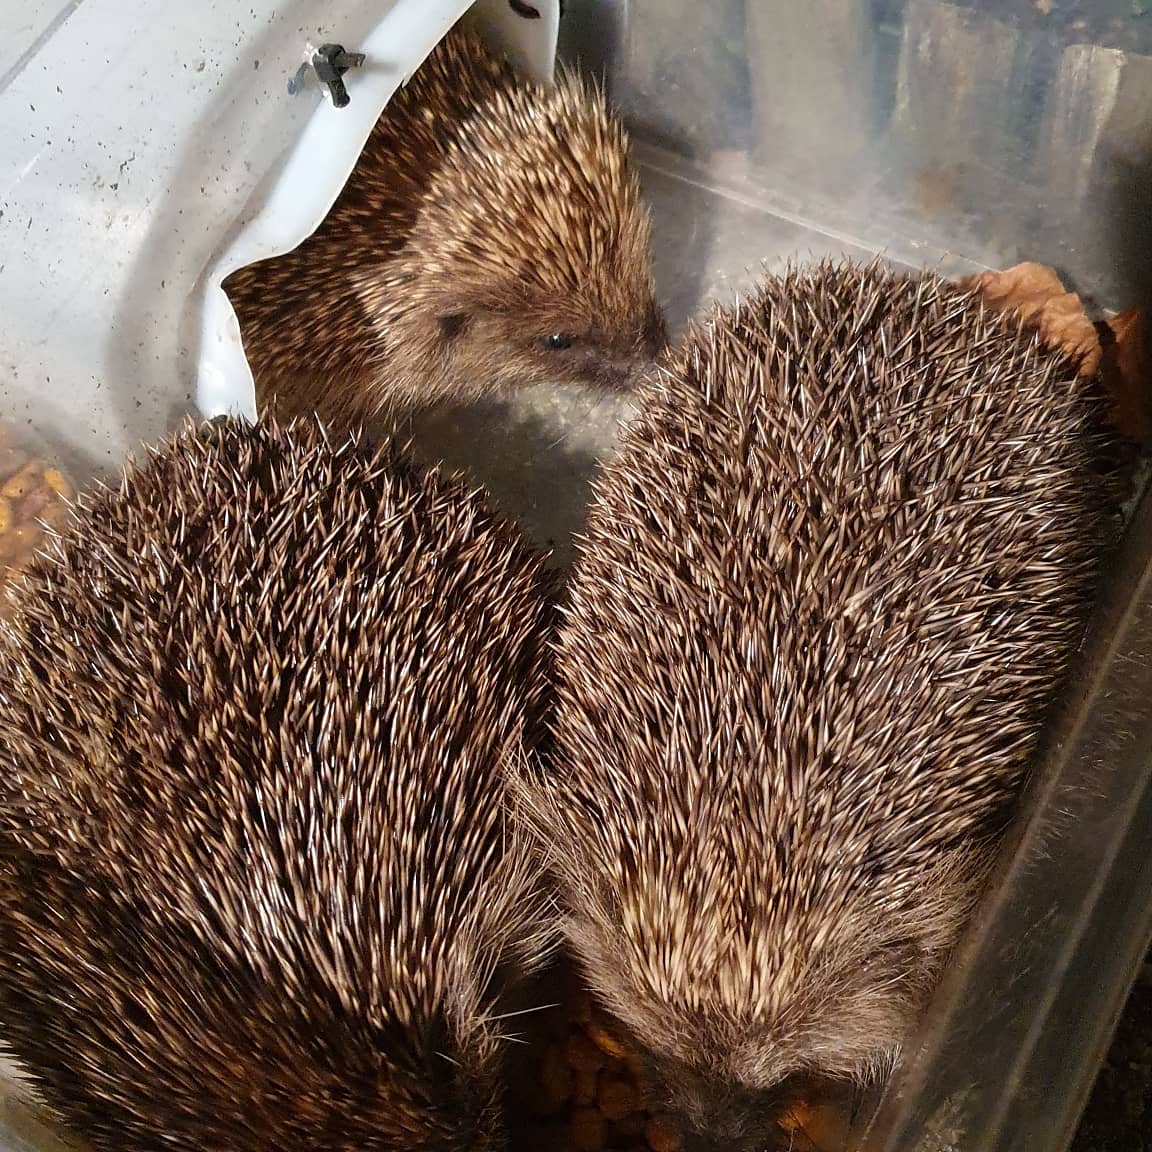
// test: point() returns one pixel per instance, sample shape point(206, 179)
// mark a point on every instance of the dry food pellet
point(32, 498)
point(661, 1135)
point(584, 1085)
point(19, 486)
point(796, 1118)
point(583, 1054)
point(587, 1130)
point(56, 480)
point(555, 1080)
point(605, 1041)
point(617, 1098)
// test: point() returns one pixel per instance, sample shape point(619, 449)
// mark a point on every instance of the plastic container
point(147, 149)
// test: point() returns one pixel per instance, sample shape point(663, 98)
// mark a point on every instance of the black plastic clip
point(330, 63)
point(529, 11)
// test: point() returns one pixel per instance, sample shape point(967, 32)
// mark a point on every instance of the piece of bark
point(1124, 373)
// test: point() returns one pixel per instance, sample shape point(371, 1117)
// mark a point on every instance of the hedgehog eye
point(557, 341)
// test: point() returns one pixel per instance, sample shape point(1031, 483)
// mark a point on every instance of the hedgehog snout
point(714, 1113)
point(623, 371)
point(617, 374)
point(739, 1129)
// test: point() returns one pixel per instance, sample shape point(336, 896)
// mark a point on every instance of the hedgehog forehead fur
point(828, 587)
point(486, 214)
point(562, 210)
point(257, 707)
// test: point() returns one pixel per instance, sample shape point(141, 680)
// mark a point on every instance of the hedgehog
point(827, 594)
point(492, 236)
point(257, 885)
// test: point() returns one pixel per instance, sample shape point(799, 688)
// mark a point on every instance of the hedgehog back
point(828, 589)
point(255, 883)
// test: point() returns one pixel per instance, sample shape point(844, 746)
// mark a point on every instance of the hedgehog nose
point(626, 374)
point(613, 374)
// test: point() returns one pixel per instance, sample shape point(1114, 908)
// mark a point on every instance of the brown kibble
point(628, 1130)
point(605, 1041)
point(587, 1130)
point(28, 495)
point(582, 1053)
point(25, 481)
point(617, 1098)
point(11, 461)
point(798, 1116)
point(635, 1066)
point(38, 501)
point(661, 1135)
point(828, 1126)
point(584, 1085)
point(56, 480)
point(555, 1080)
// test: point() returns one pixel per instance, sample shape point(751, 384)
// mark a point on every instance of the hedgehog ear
point(453, 323)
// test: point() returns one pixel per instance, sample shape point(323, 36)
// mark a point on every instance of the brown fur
point(485, 215)
point(828, 590)
point(256, 885)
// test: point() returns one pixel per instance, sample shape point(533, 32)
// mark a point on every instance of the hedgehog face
point(714, 1115)
point(757, 1017)
point(537, 341)
point(567, 351)
point(531, 249)
point(462, 344)
point(605, 329)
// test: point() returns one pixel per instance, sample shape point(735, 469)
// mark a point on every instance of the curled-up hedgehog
point(492, 235)
point(257, 888)
point(828, 591)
